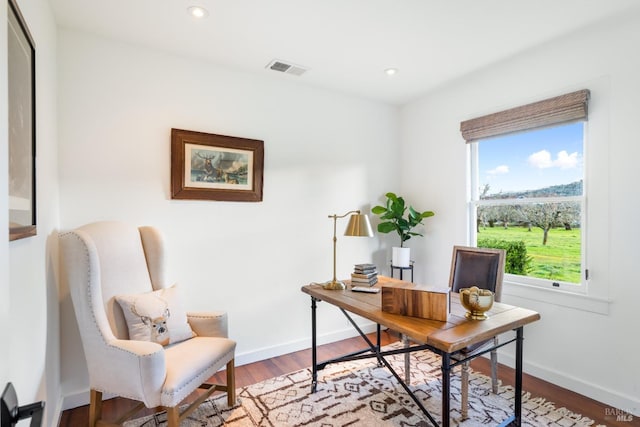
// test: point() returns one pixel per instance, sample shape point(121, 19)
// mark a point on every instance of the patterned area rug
point(362, 394)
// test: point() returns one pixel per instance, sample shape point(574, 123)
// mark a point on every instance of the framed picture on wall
point(207, 166)
point(22, 125)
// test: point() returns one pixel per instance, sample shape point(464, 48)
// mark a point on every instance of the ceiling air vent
point(285, 67)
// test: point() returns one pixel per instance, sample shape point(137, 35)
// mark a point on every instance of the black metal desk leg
point(446, 388)
point(518, 397)
point(314, 356)
point(378, 346)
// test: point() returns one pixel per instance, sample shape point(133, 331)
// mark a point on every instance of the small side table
point(402, 269)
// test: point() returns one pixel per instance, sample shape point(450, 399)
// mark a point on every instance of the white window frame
point(474, 202)
point(596, 297)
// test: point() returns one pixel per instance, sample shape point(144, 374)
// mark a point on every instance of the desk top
point(450, 336)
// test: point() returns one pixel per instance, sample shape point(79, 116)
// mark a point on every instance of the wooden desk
point(443, 338)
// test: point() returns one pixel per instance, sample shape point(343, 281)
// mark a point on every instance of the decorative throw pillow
point(156, 316)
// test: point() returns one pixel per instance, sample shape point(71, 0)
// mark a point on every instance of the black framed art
point(22, 125)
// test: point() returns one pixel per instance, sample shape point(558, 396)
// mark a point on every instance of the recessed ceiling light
point(197, 12)
point(391, 71)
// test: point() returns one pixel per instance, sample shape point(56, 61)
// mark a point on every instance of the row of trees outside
point(545, 216)
point(523, 222)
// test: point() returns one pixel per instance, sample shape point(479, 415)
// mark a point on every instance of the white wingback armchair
point(103, 260)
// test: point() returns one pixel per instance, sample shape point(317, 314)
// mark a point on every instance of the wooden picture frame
point(207, 166)
point(21, 63)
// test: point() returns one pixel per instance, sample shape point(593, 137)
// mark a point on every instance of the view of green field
point(558, 260)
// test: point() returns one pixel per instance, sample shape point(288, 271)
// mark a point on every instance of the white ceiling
point(345, 44)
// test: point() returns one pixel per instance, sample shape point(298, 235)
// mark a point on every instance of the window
point(527, 193)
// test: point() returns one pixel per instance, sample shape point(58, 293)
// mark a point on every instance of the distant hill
point(572, 189)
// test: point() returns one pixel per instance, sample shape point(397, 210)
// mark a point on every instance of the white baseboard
point(606, 396)
point(75, 400)
point(57, 412)
point(302, 344)
point(81, 397)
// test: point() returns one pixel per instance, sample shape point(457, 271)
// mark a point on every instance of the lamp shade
point(359, 225)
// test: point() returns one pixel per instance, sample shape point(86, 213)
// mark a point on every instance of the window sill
point(557, 297)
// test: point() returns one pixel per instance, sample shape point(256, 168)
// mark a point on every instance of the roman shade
point(560, 109)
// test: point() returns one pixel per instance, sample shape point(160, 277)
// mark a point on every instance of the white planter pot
point(400, 257)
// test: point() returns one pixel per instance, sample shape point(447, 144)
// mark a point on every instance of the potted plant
point(393, 219)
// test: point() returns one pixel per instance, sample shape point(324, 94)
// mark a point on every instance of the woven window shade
point(561, 109)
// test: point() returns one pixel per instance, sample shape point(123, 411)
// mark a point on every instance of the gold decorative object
point(358, 226)
point(477, 301)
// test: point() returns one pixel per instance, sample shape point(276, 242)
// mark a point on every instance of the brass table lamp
point(358, 226)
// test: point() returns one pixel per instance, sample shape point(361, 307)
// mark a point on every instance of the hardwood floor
point(259, 371)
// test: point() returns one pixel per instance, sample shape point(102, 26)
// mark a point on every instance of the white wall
point(593, 354)
point(325, 153)
point(28, 293)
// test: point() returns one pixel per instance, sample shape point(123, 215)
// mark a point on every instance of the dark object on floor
point(11, 413)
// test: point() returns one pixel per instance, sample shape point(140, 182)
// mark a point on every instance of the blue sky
point(532, 160)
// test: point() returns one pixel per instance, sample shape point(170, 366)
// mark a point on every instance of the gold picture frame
point(21, 125)
point(207, 166)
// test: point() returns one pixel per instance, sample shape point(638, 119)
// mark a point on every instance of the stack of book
point(364, 274)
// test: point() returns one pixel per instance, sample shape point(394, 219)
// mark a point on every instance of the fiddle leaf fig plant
point(393, 218)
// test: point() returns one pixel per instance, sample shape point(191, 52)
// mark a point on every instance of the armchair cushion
point(205, 356)
point(209, 324)
point(156, 316)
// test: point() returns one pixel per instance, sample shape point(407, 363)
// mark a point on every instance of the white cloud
point(566, 160)
point(542, 160)
point(500, 170)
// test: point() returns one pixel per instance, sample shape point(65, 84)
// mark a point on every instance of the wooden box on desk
point(408, 299)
